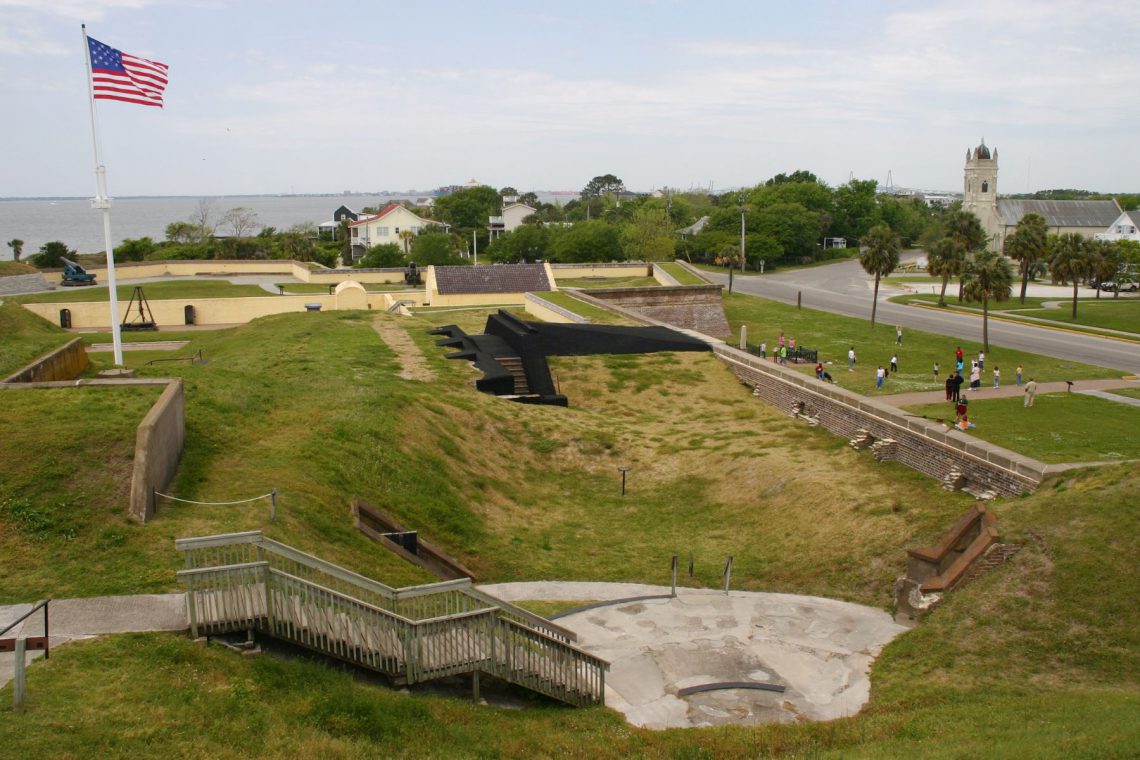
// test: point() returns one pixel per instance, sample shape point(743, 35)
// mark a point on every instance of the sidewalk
point(1009, 391)
point(77, 619)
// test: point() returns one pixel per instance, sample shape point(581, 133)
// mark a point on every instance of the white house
point(385, 227)
point(510, 220)
point(1124, 228)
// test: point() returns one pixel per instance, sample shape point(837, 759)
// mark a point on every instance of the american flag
point(116, 75)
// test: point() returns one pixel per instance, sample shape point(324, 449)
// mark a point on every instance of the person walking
point(783, 355)
point(763, 350)
point(958, 380)
point(894, 362)
point(936, 372)
point(997, 377)
point(898, 335)
point(1030, 392)
point(851, 360)
point(959, 355)
point(880, 374)
point(1017, 374)
point(949, 387)
point(975, 378)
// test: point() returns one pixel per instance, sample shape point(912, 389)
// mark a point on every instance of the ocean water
point(74, 222)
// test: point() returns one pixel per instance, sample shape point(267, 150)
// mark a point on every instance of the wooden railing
point(244, 581)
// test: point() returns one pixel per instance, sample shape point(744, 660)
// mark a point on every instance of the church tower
point(979, 191)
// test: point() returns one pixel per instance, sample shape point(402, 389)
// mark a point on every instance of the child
point(997, 377)
point(936, 372)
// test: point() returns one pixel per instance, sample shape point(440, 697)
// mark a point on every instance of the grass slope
point(24, 336)
point(156, 291)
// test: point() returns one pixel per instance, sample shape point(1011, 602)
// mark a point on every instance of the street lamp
point(743, 258)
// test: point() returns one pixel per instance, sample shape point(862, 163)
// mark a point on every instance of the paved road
point(842, 288)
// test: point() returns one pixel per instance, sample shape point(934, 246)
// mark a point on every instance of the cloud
point(93, 10)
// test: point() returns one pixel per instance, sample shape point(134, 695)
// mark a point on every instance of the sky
point(304, 97)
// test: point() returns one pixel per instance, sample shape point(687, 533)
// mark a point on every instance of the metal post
point(273, 506)
point(730, 278)
point(623, 471)
point(690, 564)
point(727, 573)
point(675, 563)
point(18, 679)
point(743, 256)
point(799, 299)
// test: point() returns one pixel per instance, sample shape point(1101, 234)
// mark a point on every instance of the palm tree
point(988, 276)
point(879, 257)
point(965, 229)
point(1105, 263)
point(945, 260)
point(17, 247)
point(1027, 245)
point(406, 237)
point(1070, 261)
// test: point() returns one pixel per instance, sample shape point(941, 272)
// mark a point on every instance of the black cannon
point(75, 275)
point(412, 275)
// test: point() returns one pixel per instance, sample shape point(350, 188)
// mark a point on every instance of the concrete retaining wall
point(919, 444)
point(158, 448)
point(64, 363)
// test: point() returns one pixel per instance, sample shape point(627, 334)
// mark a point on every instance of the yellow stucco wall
point(563, 272)
point(208, 311)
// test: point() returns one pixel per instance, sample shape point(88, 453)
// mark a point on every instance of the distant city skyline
point(268, 98)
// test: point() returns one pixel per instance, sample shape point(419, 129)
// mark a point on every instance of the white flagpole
point(101, 201)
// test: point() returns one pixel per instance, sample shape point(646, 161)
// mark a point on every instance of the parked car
point(1130, 286)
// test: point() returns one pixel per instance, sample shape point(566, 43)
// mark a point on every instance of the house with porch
point(391, 225)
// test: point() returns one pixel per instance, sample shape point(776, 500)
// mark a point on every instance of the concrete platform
point(820, 650)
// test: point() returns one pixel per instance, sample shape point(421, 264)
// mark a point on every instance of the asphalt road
point(842, 288)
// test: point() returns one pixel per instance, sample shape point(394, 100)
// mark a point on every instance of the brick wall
point(918, 443)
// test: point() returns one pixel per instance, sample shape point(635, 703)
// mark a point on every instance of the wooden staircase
point(246, 582)
point(513, 364)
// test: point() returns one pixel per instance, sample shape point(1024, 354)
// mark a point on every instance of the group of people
point(786, 347)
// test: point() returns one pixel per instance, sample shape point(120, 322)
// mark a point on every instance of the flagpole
point(101, 201)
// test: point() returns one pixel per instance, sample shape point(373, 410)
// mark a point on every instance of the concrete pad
point(820, 650)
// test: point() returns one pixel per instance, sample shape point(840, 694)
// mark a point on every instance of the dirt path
point(413, 365)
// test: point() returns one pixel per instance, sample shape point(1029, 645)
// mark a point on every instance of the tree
point(469, 208)
point(435, 248)
point(188, 233)
point(944, 259)
point(526, 243)
point(1069, 261)
point(856, 210)
point(879, 257)
point(203, 217)
point(588, 241)
point(1027, 245)
point(135, 250)
point(406, 238)
point(51, 255)
point(530, 199)
point(649, 237)
point(605, 184)
point(1105, 263)
point(241, 221)
point(297, 246)
point(988, 277)
point(17, 247)
point(382, 256)
point(508, 190)
point(965, 229)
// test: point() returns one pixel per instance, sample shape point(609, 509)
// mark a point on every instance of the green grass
point(1059, 427)
point(9, 268)
point(157, 291)
point(1040, 658)
point(24, 337)
point(312, 287)
point(1129, 392)
point(833, 334)
point(682, 275)
point(1105, 313)
point(595, 314)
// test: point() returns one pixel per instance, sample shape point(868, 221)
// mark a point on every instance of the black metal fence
point(797, 355)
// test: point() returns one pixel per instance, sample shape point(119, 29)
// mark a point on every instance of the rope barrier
point(211, 503)
point(271, 495)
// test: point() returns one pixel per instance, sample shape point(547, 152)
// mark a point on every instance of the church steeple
point(980, 183)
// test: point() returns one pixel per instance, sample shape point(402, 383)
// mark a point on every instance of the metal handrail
point(44, 604)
